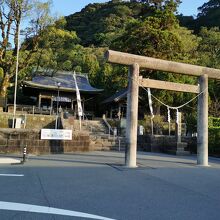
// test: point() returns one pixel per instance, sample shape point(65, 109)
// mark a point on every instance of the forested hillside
point(99, 24)
point(78, 42)
point(152, 28)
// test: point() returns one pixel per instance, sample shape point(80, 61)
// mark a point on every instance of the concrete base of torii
point(180, 149)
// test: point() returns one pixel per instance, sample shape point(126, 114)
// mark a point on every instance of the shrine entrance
point(135, 81)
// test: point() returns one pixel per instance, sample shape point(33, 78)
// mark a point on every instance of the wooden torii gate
point(135, 62)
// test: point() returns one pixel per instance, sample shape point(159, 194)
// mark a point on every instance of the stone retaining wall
point(31, 121)
point(14, 140)
point(164, 143)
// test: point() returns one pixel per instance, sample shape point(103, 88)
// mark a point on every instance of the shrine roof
point(118, 96)
point(65, 81)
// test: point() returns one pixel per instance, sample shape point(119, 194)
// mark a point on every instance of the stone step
point(113, 141)
point(182, 153)
point(107, 142)
point(100, 139)
point(116, 148)
point(100, 133)
point(98, 148)
point(179, 153)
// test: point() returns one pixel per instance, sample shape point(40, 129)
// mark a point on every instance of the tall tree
point(11, 14)
point(209, 15)
point(160, 36)
point(100, 24)
point(54, 46)
point(209, 55)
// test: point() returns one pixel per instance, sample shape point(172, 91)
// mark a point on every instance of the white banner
point(56, 134)
point(150, 102)
point(168, 114)
point(80, 111)
point(177, 116)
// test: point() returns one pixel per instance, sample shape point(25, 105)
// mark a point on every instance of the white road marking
point(13, 175)
point(47, 210)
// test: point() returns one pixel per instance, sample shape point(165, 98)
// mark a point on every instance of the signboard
point(18, 123)
point(61, 99)
point(56, 134)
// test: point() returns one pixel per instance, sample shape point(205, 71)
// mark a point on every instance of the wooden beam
point(179, 87)
point(162, 65)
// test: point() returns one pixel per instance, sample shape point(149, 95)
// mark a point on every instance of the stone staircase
point(100, 138)
point(98, 133)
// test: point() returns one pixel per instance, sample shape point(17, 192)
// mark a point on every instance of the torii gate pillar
point(202, 122)
point(132, 117)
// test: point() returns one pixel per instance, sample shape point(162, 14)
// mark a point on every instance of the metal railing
point(110, 129)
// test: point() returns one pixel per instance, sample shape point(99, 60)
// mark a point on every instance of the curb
point(9, 161)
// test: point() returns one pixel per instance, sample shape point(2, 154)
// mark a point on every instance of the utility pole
point(16, 79)
point(58, 97)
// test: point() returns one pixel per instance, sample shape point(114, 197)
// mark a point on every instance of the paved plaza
point(96, 185)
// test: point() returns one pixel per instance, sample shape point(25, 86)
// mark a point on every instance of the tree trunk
point(4, 86)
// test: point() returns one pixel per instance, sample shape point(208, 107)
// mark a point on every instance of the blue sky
point(67, 7)
point(189, 7)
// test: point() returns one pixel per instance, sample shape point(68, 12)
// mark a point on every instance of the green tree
point(209, 47)
point(99, 24)
point(209, 15)
point(160, 36)
point(54, 46)
point(209, 55)
point(11, 14)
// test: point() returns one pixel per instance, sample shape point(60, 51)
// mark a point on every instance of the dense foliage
point(99, 24)
point(214, 135)
point(78, 42)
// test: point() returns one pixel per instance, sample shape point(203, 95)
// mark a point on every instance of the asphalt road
point(95, 185)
